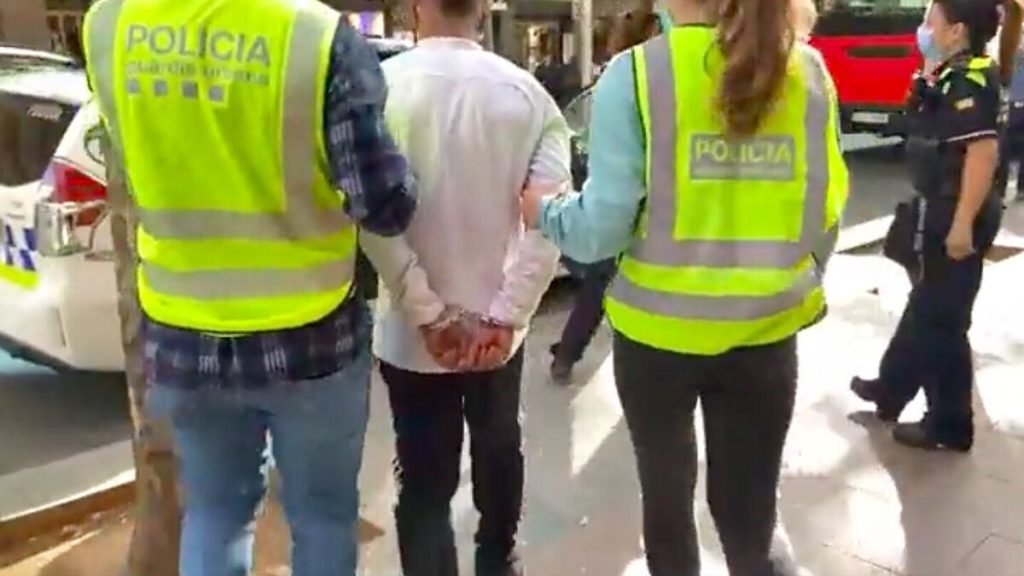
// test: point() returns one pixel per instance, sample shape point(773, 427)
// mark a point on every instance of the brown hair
point(634, 26)
point(756, 38)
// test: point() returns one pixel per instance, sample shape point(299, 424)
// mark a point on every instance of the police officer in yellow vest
point(722, 186)
point(251, 135)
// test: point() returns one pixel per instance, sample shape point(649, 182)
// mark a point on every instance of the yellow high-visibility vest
point(731, 245)
point(215, 108)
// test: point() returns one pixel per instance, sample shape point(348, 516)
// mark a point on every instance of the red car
point(870, 48)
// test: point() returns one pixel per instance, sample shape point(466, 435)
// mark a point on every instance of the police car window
point(30, 130)
point(11, 63)
point(16, 65)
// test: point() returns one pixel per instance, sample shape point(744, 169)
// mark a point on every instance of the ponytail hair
point(756, 38)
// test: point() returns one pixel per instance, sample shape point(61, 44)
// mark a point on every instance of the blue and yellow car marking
point(17, 262)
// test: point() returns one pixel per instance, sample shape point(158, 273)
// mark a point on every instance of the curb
point(33, 532)
point(863, 236)
point(59, 519)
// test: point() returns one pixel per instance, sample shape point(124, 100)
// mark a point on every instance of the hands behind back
point(447, 338)
point(463, 341)
point(491, 346)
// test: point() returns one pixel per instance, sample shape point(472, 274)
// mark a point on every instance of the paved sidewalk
point(853, 502)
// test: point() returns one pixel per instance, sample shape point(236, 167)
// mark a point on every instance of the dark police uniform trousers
point(930, 348)
point(587, 311)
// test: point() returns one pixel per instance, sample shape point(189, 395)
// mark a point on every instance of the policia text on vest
point(713, 157)
point(248, 234)
point(230, 56)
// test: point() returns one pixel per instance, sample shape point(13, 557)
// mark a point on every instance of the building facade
point(57, 24)
point(525, 31)
point(44, 24)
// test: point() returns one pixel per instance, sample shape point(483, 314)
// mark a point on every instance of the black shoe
point(487, 564)
point(561, 370)
point(917, 435)
point(874, 391)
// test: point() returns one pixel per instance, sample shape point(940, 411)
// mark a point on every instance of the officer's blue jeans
point(317, 428)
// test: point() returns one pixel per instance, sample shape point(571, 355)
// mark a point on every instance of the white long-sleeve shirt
point(477, 129)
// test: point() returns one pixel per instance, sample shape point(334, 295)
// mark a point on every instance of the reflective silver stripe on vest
point(659, 247)
point(301, 217)
point(714, 308)
point(255, 283)
point(102, 24)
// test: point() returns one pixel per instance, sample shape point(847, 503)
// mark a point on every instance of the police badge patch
point(965, 104)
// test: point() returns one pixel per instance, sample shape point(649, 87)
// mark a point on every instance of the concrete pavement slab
point(997, 557)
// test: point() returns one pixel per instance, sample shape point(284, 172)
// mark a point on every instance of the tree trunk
point(157, 528)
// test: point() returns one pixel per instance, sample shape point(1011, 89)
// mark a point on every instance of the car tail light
point(66, 221)
point(71, 185)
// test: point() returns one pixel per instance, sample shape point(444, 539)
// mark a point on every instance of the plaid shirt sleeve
point(375, 177)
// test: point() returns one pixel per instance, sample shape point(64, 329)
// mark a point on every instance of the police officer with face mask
point(941, 236)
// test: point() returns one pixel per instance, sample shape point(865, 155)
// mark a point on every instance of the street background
point(853, 502)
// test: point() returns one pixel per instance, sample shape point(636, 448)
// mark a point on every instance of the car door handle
point(880, 51)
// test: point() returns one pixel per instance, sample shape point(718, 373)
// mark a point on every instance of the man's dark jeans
point(747, 398)
point(429, 411)
point(587, 311)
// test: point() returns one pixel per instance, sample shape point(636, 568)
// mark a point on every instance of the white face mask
point(926, 44)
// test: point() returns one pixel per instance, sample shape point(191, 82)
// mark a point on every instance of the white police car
point(58, 301)
point(58, 297)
